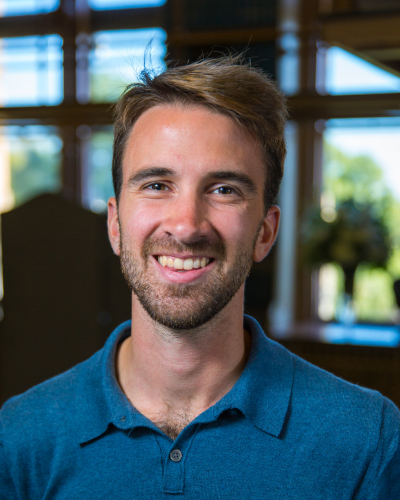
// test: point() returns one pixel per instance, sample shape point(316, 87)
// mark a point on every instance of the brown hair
point(226, 85)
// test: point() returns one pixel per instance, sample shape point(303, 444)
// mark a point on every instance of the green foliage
point(34, 169)
point(358, 178)
point(100, 182)
point(106, 87)
point(355, 236)
point(373, 298)
point(373, 295)
point(362, 235)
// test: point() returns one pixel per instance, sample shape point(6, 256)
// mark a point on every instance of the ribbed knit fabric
point(287, 430)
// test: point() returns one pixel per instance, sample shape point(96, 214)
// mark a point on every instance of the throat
point(171, 429)
point(172, 424)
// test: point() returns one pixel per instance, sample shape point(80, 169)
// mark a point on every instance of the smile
point(185, 264)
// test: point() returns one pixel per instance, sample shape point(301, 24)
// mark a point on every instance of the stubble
point(187, 306)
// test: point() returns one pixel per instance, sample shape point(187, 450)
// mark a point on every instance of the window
point(121, 4)
point(349, 74)
point(361, 163)
point(30, 157)
point(31, 71)
point(118, 57)
point(98, 182)
point(22, 7)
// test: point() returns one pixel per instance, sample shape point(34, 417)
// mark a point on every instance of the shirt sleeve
point(382, 478)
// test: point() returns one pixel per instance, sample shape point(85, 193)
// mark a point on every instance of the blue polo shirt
point(286, 430)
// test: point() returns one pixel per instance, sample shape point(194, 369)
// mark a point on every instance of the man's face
point(190, 218)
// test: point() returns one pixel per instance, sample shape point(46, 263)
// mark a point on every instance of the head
point(198, 158)
point(226, 85)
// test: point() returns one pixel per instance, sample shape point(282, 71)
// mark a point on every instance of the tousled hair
point(226, 85)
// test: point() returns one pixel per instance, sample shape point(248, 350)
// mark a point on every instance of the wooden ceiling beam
point(215, 37)
point(150, 17)
point(76, 114)
point(344, 106)
point(363, 31)
point(301, 107)
point(57, 22)
point(45, 24)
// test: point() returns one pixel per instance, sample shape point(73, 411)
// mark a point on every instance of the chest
point(220, 460)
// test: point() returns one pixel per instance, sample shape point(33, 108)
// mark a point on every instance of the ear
point(113, 225)
point(267, 234)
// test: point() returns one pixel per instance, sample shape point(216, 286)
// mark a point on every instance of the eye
point(225, 190)
point(156, 186)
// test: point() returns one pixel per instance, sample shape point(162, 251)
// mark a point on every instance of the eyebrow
point(147, 173)
point(223, 175)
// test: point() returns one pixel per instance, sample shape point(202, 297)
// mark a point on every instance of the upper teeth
point(186, 264)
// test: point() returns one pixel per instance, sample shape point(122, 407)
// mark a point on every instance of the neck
point(165, 372)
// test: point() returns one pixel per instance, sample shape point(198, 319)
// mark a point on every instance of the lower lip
point(177, 276)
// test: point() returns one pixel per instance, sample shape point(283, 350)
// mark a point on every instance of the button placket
point(175, 463)
point(173, 472)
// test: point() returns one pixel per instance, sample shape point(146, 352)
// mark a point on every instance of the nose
point(186, 218)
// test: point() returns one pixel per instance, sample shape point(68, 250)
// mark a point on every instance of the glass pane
point(31, 72)
point(118, 57)
point(22, 7)
point(361, 164)
point(120, 4)
point(30, 157)
point(349, 74)
point(98, 181)
point(288, 63)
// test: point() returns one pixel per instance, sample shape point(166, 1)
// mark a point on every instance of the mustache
point(164, 244)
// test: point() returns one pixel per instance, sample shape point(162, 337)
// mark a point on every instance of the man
point(188, 399)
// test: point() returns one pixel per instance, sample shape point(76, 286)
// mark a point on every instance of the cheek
point(233, 228)
point(239, 229)
point(140, 221)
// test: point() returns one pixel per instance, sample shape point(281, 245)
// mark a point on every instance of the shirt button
point(175, 455)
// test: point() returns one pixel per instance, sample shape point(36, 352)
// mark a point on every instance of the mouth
point(183, 264)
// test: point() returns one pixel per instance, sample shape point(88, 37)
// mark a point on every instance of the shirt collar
point(99, 390)
point(262, 392)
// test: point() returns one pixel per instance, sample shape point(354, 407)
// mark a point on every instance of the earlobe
point(268, 234)
point(113, 225)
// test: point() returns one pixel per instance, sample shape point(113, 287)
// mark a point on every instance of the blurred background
point(328, 288)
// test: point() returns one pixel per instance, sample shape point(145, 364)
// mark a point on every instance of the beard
point(185, 306)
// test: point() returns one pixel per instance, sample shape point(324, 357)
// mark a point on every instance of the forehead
point(192, 138)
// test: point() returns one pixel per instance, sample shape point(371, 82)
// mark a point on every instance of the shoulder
point(48, 406)
point(320, 403)
point(315, 386)
point(328, 403)
point(350, 432)
point(38, 429)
